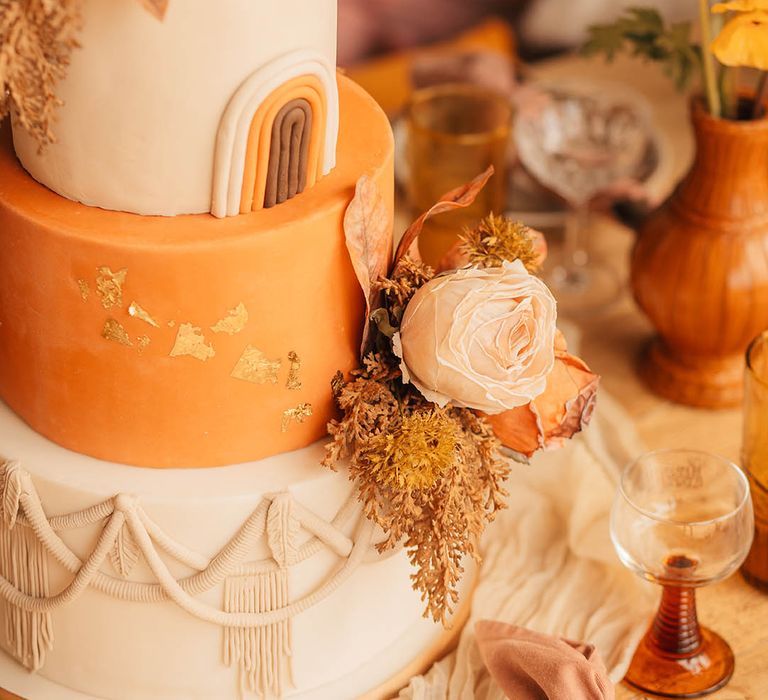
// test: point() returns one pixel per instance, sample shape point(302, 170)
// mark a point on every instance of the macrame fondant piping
point(22, 512)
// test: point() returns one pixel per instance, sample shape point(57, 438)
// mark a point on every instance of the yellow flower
point(740, 6)
point(743, 41)
point(416, 455)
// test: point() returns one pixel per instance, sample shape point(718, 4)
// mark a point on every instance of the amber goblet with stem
point(682, 519)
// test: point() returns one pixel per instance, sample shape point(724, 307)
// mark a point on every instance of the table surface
point(611, 344)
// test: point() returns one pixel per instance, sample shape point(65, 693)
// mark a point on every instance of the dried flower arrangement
point(37, 38)
point(419, 426)
point(36, 42)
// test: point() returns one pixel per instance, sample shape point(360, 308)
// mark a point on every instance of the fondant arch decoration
point(296, 111)
point(277, 135)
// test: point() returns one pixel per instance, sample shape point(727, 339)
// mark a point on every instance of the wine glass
point(682, 519)
point(580, 144)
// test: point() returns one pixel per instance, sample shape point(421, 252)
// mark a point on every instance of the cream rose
point(480, 338)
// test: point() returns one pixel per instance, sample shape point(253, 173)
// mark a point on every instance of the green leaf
point(604, 38)
point(646, 19)
point(643, 33)
point(381, 318)
point(518, 457)
point(679, 35)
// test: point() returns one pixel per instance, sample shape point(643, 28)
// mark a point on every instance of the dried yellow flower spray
point(415, 455)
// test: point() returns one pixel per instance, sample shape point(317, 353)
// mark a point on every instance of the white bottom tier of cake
point(174, 581)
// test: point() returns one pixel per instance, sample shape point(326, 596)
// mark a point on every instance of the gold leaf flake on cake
point(255, 367)
point(85, 290)
point(297, 415)
point(109, 286)
point(233, 322)
point(294, 382)
point(114, 331)
point(191, 343)
point(143, 341)
point(137, 311)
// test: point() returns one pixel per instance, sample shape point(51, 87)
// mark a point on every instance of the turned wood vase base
point(700, 265)
point(673, 676)
point(693, 381)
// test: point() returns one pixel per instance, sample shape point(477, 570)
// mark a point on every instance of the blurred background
point(369, 28)
point(506, 83)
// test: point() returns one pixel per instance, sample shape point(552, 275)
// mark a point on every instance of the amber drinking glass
point(755, 456)
point(454, 133)
point(682, 519)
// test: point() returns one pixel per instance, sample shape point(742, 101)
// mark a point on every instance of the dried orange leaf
point(564, 409)
point(368, 232)
point(459, 198)
point(156, 7)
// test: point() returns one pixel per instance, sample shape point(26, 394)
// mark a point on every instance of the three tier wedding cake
point(191, 198)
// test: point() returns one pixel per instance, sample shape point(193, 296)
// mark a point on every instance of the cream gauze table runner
point(548, 562)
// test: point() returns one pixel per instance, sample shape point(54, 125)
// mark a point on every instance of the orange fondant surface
point(288, 266)
point(307, 87)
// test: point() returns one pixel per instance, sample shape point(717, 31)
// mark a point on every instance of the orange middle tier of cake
point(188, 341)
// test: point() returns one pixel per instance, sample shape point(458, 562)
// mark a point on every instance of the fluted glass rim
point(424, 95)
point(605, 92)
point(741, 477)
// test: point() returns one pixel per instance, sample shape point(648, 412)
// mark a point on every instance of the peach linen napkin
point(528, 665)
point(548, 563)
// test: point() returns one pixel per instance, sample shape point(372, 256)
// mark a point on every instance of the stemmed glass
point(682, 519)
point(581, 144)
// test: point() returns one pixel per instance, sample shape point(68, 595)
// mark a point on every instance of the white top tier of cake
point(144, 99)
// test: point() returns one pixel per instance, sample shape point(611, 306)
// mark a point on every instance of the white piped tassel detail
point(264, 653)
point(24, 562)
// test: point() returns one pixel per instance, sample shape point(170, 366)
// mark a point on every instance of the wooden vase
point(700, 266)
